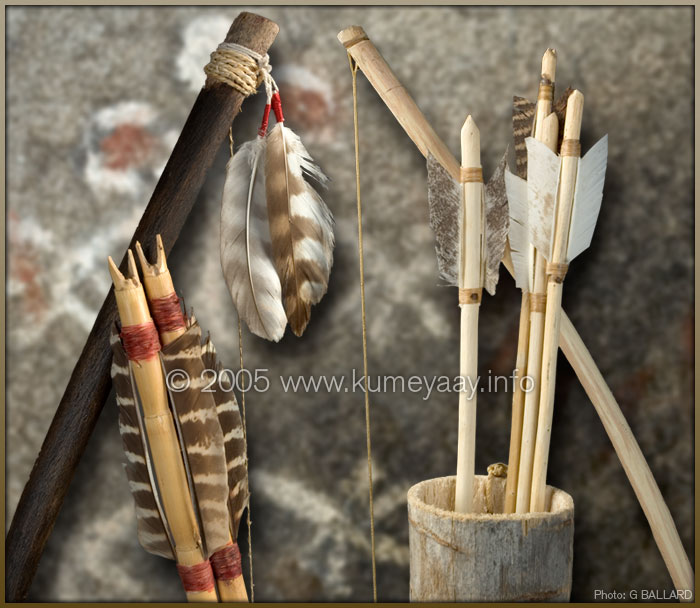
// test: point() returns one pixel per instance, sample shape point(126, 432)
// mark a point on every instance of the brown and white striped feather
point(523, 120)
point(246, 255)
point(234, 438)
point(201, 434)
point(151, 529)
point(301, 226)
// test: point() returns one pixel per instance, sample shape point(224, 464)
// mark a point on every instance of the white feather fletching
point(587, 198)
point(518, 231)
point(543, 168)
point(246, 255)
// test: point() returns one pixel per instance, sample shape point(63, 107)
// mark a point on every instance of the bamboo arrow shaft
point(466, 434)
point(470, 281)
point(545, 130)
point(517, 414)
point(548, 133)
point(619, 433)
point(555, 287)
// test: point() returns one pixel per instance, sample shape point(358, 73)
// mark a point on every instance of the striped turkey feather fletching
point(301, 226)
point(151, 529)
point(246, 255)
point(201, 435)
point(234, 438)
point(523, 118)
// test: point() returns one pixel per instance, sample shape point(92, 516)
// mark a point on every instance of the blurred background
point(96, 98)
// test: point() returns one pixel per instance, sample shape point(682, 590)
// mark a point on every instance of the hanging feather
point(301, 226)
point(246, 255)
point(444, 205)
point(234, 439)
point(587, 198)
point(151, 529)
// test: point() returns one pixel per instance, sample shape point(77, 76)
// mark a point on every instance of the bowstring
point(245, 431)
point(353, 70)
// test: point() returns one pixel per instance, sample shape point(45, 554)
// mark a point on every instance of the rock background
point(96, 97)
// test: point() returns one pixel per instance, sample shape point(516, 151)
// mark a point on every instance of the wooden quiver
point(487, 556)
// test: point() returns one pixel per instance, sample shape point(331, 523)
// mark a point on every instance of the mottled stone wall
point(96, 97)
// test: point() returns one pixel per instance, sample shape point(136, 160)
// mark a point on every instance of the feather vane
point(202, 436)
point(301, 226)
point(150, 523)
point(445, 210)
point(587, 198)
point(496, 224)
point(246, 254)
point(543, 168)
point(523, 118)
point(234, 438)
point(518, 232)
point(444, 206)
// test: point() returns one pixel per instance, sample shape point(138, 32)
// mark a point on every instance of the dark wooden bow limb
point(206, 127)
point(409, 116)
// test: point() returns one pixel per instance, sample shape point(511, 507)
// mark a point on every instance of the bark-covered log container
point(487, 555)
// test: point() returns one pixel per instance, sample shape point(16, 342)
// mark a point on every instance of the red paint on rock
point(127, 146)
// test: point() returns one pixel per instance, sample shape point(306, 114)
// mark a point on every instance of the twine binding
point(472, 175)
point(571, 147)
point(557, 272)
point(470, 296)
point(167, 313)
point(196, 578)
point(226, 562)
point(537, 302)
point(141, 342)
point(241, 68)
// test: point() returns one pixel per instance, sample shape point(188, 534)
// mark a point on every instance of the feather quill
point(301, 226)
point(150, 522)
point(246, 255)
